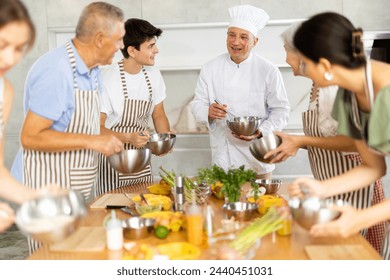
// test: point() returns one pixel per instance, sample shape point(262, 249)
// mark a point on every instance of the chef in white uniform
point(247, 85)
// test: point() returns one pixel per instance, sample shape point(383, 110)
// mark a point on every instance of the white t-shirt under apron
point(112, 98)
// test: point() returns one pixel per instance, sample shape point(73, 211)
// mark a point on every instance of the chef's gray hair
point(96, 17)
point(288, 36)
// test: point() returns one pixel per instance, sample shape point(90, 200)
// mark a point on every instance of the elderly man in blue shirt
point(60, 136)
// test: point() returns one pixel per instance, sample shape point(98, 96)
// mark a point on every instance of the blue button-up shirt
point(49, 91)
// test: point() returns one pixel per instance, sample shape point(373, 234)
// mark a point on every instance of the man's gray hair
point(98, 16)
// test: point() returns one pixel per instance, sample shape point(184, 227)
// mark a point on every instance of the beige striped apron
point(76, 169)
point(326, 164)
point(135, 117)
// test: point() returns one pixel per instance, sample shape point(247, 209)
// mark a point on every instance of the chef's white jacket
point(252, 88)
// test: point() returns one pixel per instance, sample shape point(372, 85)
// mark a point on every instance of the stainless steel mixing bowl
point(137, 227)
point(263, 145)
point(312, 210)
point(161, 143)
point(271, 185)
point(240, 210)
point(243, 125)
point(51, 217)
point(130, 161)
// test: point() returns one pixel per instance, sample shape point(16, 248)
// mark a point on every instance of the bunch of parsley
point(232, 180)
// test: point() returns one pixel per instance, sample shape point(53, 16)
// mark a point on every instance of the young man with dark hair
point(133, 91)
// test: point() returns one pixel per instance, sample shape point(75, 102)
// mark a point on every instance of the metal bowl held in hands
point(161, 143)
point(313, 210)
point(130, 161)
point(271, 186)
point(51, 217)
point(239, 210)
point(137, 227)
point(243, 125)
point(260, 147)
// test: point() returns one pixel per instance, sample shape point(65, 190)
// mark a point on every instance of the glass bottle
point(194, 223)
point(114, 233)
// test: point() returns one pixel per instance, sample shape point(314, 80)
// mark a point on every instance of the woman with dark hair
point(332, 53)
point(17, 35)
point(329, 154)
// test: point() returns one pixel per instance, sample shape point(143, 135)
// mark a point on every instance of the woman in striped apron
point(345, 64)
point(75, 169)
point(325, 162)
point(128, 106)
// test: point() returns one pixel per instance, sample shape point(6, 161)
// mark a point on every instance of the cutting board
point(337, 252)
point(115, 199)
point(86, 239)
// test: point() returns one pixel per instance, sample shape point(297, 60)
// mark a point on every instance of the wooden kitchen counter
point(281, 248)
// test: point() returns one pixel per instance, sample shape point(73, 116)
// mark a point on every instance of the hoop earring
point(328, 76)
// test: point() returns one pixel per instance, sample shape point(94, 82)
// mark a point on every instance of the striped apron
point(135, 117)
point(326, 164)
point(76, 169)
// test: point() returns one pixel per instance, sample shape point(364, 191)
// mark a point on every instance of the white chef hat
point(248, 17)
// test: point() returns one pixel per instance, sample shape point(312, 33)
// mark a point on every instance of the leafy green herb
point(232, 180)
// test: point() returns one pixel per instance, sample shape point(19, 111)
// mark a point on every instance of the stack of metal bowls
point(260, 147)
point(51, 217)
point(313, 210)
point(130, 161)
point(243, 125)
point(161, 143)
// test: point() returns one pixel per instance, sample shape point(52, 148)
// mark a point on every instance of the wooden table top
point(290, 247)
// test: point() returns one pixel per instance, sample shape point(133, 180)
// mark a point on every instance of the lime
point(161, 232)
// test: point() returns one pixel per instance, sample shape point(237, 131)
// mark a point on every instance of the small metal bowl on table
point(137, 227)
point(242, 211)
point(271, 186)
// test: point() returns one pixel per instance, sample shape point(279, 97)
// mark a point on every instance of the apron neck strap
point(72, 60)
point(369, 84)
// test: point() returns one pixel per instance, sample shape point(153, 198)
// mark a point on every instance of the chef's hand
point(306, 187)
point(288, 148)
point(139, 139)
point(255, 135)
point(107, 144)
point(345, 226)
point(217, 111)
point(7, 216)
